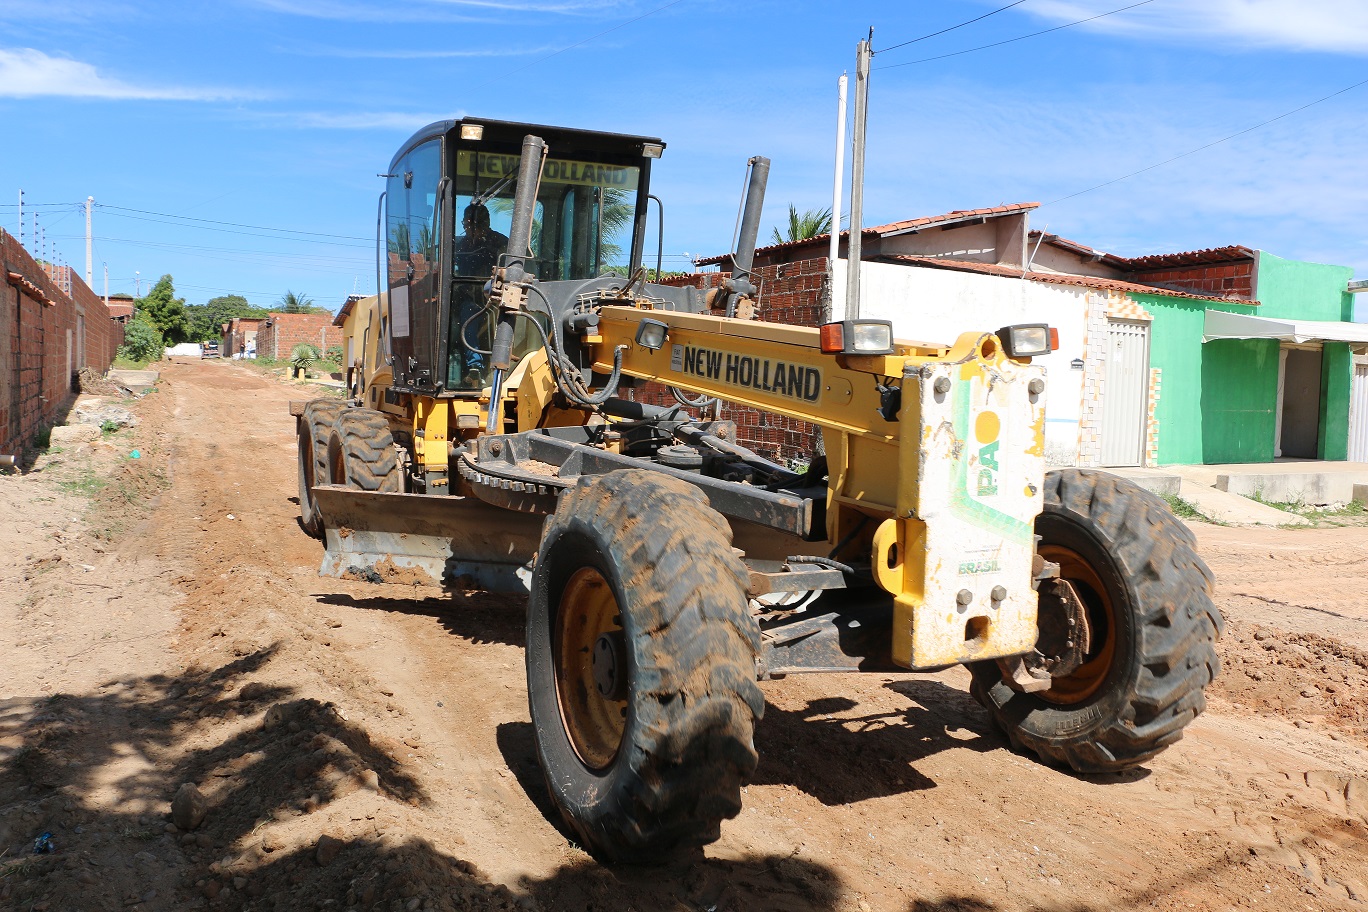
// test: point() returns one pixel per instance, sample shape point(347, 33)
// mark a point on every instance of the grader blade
point(455, 542)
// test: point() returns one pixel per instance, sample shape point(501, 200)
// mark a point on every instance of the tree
point(165, 311)
point(207, 319)
point(292, 303)
point(142, 342)
point(810, 224)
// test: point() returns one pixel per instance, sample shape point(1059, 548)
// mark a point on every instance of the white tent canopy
point(1222, 325)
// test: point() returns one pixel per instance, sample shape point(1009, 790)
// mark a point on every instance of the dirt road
point(201, 647)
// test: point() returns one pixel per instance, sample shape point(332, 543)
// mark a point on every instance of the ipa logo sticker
point(987, 427)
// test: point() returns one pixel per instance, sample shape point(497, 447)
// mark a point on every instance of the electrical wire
point(943, 31)
point(1217, 142)
point(276, 237)
point(345, 237)
point(985, 47)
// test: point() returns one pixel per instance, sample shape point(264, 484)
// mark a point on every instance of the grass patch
point(129, 364)
point(1352, 513)
point(1184, 509)
point(87, 484)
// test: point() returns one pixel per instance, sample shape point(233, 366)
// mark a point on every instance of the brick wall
point(51, 325)
point(791, 293)
point(239, 333)
point(279, 333)
point(1235, 280)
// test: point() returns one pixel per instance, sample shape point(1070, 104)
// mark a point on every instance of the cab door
point(413, 228)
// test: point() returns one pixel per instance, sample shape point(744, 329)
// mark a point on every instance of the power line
point(276, 237)
point(345, 237)
point(1047, 31)
point(953, 27)
point(1216, 142)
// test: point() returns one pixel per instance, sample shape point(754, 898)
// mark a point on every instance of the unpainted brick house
point(279, 333)
point(51, 325)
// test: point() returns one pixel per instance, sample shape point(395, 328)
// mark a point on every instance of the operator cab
point(447, 213)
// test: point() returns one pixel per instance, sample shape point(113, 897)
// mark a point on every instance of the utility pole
point(836, 199)
point(21, 218)
point(37, 238)
point(90, 204)
point(863, 52)
point(106, 296)
point(137, 283)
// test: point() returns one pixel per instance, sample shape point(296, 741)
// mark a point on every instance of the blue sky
point(280, 113)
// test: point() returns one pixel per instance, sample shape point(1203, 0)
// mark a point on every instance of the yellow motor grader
point(492, 442)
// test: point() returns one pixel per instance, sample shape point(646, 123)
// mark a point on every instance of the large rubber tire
point(313, 430)
point(361, 452)
point(1153, 630)
point(646, 552)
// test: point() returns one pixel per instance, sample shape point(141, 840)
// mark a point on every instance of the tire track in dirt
point(393, 719)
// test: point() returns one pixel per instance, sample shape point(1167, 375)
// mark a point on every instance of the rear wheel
point(641, 666)
point(1152, 628)
point(314, 427)
point(361, 452)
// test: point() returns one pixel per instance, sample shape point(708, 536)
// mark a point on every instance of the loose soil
point(367, 746)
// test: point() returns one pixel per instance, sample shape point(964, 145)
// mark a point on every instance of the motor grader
point(493, 441)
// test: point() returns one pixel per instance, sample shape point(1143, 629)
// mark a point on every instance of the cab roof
point(507, 130)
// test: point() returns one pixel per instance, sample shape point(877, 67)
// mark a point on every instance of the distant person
point(476, 252)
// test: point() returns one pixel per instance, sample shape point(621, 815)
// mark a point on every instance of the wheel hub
point(592, 674)
point(610, 663)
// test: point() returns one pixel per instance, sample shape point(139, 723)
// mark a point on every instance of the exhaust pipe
point(743, 257)
point(519, 241)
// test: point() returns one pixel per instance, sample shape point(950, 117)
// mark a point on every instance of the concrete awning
point(1222, 325)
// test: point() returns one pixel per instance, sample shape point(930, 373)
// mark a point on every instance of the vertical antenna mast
point(836, 197)
point(863, 53)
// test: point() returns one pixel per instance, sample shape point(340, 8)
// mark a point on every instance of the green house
point(1253, 382)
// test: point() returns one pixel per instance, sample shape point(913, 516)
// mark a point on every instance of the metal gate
point(1125, 394)
point(1358, 415)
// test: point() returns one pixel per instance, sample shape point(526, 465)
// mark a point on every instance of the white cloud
point(432, 10)
point(364, 120)
point(29, 73)
point(1304, 25)
point(414, 53)
point(1297, 187)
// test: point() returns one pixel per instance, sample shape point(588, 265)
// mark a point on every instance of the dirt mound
point(1301, 677)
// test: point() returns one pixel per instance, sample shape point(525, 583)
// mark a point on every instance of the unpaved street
point(201, 647)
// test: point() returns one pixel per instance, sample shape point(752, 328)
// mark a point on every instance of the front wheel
point(361, 452)
point(1152, 624)
point(314, 428)
point(641, 666)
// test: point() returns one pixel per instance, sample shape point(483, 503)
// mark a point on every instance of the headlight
point(857, 337)
point(1027, 340)
point(651, 334)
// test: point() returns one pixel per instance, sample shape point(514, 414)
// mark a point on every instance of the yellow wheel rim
point(1084, 681)
point(591, 668)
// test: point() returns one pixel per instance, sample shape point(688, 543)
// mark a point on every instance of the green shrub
point(142, 342)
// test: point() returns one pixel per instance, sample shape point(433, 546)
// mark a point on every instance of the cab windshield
point(582, 224)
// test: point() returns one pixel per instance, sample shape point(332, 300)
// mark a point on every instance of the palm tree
point(808, 225)
point(292, 303)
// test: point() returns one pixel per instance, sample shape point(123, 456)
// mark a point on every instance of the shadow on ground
point(479, 617)
point(97, 771)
